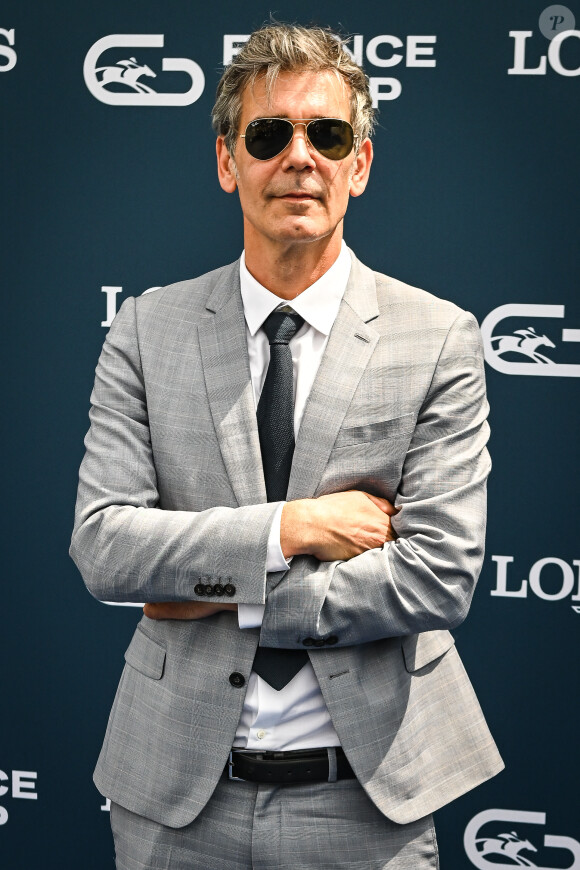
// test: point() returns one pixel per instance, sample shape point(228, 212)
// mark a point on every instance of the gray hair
point(277, 48)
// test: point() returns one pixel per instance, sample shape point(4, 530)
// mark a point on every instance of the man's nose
point(299, 153)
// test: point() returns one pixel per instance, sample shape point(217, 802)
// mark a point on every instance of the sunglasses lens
point(332, 137)
point(267, 137)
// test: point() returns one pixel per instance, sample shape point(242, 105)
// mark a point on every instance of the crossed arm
point(342, 578)
point(330, 528)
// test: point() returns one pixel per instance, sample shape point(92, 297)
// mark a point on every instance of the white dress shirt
point(296, 717)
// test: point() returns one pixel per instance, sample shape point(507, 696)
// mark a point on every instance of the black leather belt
point(302, 765)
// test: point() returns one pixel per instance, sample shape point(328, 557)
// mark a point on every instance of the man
point(301, 441)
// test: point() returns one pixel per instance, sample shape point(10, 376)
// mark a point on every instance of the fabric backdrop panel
point(109, 188)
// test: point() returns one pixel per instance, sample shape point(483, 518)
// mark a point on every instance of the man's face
point(299, 195)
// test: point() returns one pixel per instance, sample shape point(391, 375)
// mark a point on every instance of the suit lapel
point(224, 352)
point(349, 349)
point(226, 367)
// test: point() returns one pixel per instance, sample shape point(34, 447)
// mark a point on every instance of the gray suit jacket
point(171, 490)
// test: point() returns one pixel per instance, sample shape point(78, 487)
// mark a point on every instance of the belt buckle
point(230, 766)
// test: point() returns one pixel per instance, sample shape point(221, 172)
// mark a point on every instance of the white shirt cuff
point(251, 615)
point(275, 560)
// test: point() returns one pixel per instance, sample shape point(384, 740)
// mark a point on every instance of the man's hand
point(336, 526)
point(184, 609)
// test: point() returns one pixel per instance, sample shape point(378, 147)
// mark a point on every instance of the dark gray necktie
point(276, 430)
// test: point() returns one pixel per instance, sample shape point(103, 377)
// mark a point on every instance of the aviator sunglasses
point(267, 137)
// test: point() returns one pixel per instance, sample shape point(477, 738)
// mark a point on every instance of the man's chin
point(300, 227)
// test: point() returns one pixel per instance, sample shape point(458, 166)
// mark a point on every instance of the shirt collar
point(318, 304)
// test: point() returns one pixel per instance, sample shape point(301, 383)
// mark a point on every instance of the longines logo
point(6, 52)
point(119, 82)
point(16, 784)
point(550, 579)
point(499, 845)
point(517, 352)
point(382, 51)
point(557, 24)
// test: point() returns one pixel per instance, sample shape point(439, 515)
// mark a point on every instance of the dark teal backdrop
point(473, 195)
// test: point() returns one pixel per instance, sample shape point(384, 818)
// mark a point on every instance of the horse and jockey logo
point(120, 83)
point(126, 73)
point(525, 342)
point(509, 845)
point(503, 847)
point(517, 353)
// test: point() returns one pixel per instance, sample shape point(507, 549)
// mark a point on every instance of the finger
point(171, 609)
point(384, 504)
point(184, 609)
point(153, 611)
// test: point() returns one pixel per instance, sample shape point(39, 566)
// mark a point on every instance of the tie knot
point(281, 326)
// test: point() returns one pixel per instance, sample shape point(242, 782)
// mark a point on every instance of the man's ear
point(361, 168)
point(225, 166)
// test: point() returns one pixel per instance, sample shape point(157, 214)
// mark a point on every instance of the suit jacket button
point(230, 590)
point(199, 589)
point(308, 641)
point(208, 589)
point(331, 640)
point(218, 590)
point(319, 641)
point(237, 680)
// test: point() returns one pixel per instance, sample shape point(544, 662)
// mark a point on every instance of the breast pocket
point(369, 456)
point(397, 428)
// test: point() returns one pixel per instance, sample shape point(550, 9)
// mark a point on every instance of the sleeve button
point(218, 590)
point(199, 589)
point(237, 680)
point(208, 589)
point(319, 641)
point(331, 640)
point(230, 590)
point(308, 641)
